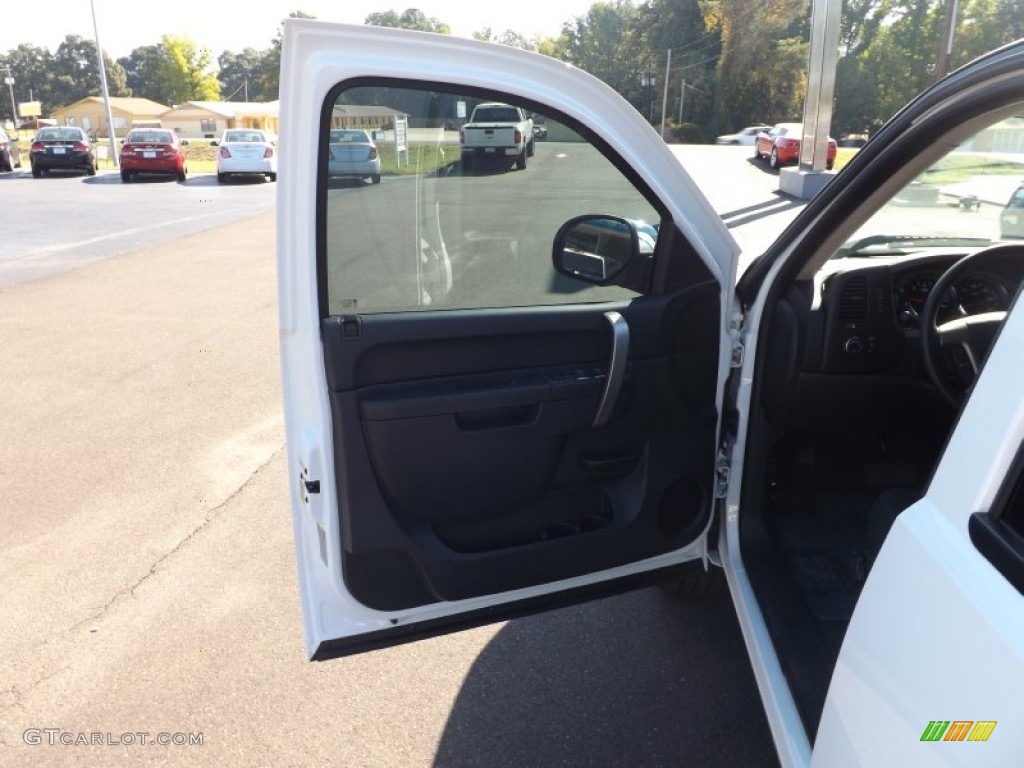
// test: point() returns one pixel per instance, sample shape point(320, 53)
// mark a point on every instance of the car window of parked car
point(150, 137)
point(1017, 199)
point(448, 230)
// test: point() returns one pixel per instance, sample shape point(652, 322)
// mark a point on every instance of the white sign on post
point(401, 140)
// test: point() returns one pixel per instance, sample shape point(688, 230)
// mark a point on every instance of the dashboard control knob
point(854, 345)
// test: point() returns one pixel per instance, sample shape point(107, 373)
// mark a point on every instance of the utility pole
point(106, 92)
point(946, 43)
point(682, 96)
point(10, 84)
point(664, 94)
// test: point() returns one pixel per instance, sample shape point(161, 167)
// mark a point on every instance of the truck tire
point(529, 149)
point(521, 160)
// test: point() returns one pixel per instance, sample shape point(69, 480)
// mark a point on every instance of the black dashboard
point(867, 314)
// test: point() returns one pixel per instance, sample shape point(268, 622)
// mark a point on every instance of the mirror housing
point(605, 250)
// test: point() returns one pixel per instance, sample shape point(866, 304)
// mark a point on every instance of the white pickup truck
point(497, 130)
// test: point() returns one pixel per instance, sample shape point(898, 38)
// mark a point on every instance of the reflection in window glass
point(427, 208)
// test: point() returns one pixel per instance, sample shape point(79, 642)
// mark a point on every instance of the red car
point(152, 150)
point(781, 145)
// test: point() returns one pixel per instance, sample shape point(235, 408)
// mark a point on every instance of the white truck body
point(497, 130)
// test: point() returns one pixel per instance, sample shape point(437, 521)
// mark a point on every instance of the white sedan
point(352, 154)
point(246, 152)
point(745, 137)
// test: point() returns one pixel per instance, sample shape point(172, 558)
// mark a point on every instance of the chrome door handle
point(616, 368)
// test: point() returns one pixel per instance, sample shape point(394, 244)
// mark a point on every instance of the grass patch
point(201, 157)
point(843, 156)
point(423, 158)
point(953, 169)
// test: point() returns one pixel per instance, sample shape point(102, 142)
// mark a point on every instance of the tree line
point(729, 63)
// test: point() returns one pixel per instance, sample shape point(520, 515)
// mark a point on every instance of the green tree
point(900, 61)
point(32, 71)
point(509, 37)
point(761, 73)
point(74, 73)
point(660, 26)
point(142, 68)
point(983, 25)
point(269, 73)
point(597, 42)
point(411, 18)
point(183, 73)
point(240, 75)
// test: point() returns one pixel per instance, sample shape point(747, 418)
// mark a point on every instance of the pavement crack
point(20, 697)
point(12, 696)
point(209, 518)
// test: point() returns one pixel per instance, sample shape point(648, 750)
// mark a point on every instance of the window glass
point(425, 210)
point(967, 196)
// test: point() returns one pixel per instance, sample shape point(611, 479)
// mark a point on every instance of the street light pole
point(106, 92)
point(664, 95)
point(10, 84)
point(648, 82)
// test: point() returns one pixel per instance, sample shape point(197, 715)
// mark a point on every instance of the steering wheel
point(963, 342)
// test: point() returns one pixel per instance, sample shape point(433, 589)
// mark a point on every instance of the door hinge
point(722, 471)
point(736, 358)
point(309, 487)
point(735, 335)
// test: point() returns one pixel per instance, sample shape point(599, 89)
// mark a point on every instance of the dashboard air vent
point(853, 301)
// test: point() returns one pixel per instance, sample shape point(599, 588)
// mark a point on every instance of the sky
point(221, 26)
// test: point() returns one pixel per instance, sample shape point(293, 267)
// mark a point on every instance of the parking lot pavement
point(65, 221)
point(743, 191)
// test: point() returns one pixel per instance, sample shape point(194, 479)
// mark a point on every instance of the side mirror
point(596, 249)
point(214, 143)
point(184, 142)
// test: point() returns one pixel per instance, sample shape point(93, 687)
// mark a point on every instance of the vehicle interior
point(869, 348)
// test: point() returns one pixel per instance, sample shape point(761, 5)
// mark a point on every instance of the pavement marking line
point(52, 249)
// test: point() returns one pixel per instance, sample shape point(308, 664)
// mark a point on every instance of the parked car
point(62, 149)
point(745, 136)
point(246, 152)
point(840, 431)
point(1011, 220)
point(497, 132)
point(152, 150)
point(352, 154)
point(10, 152)
point(781, 145)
